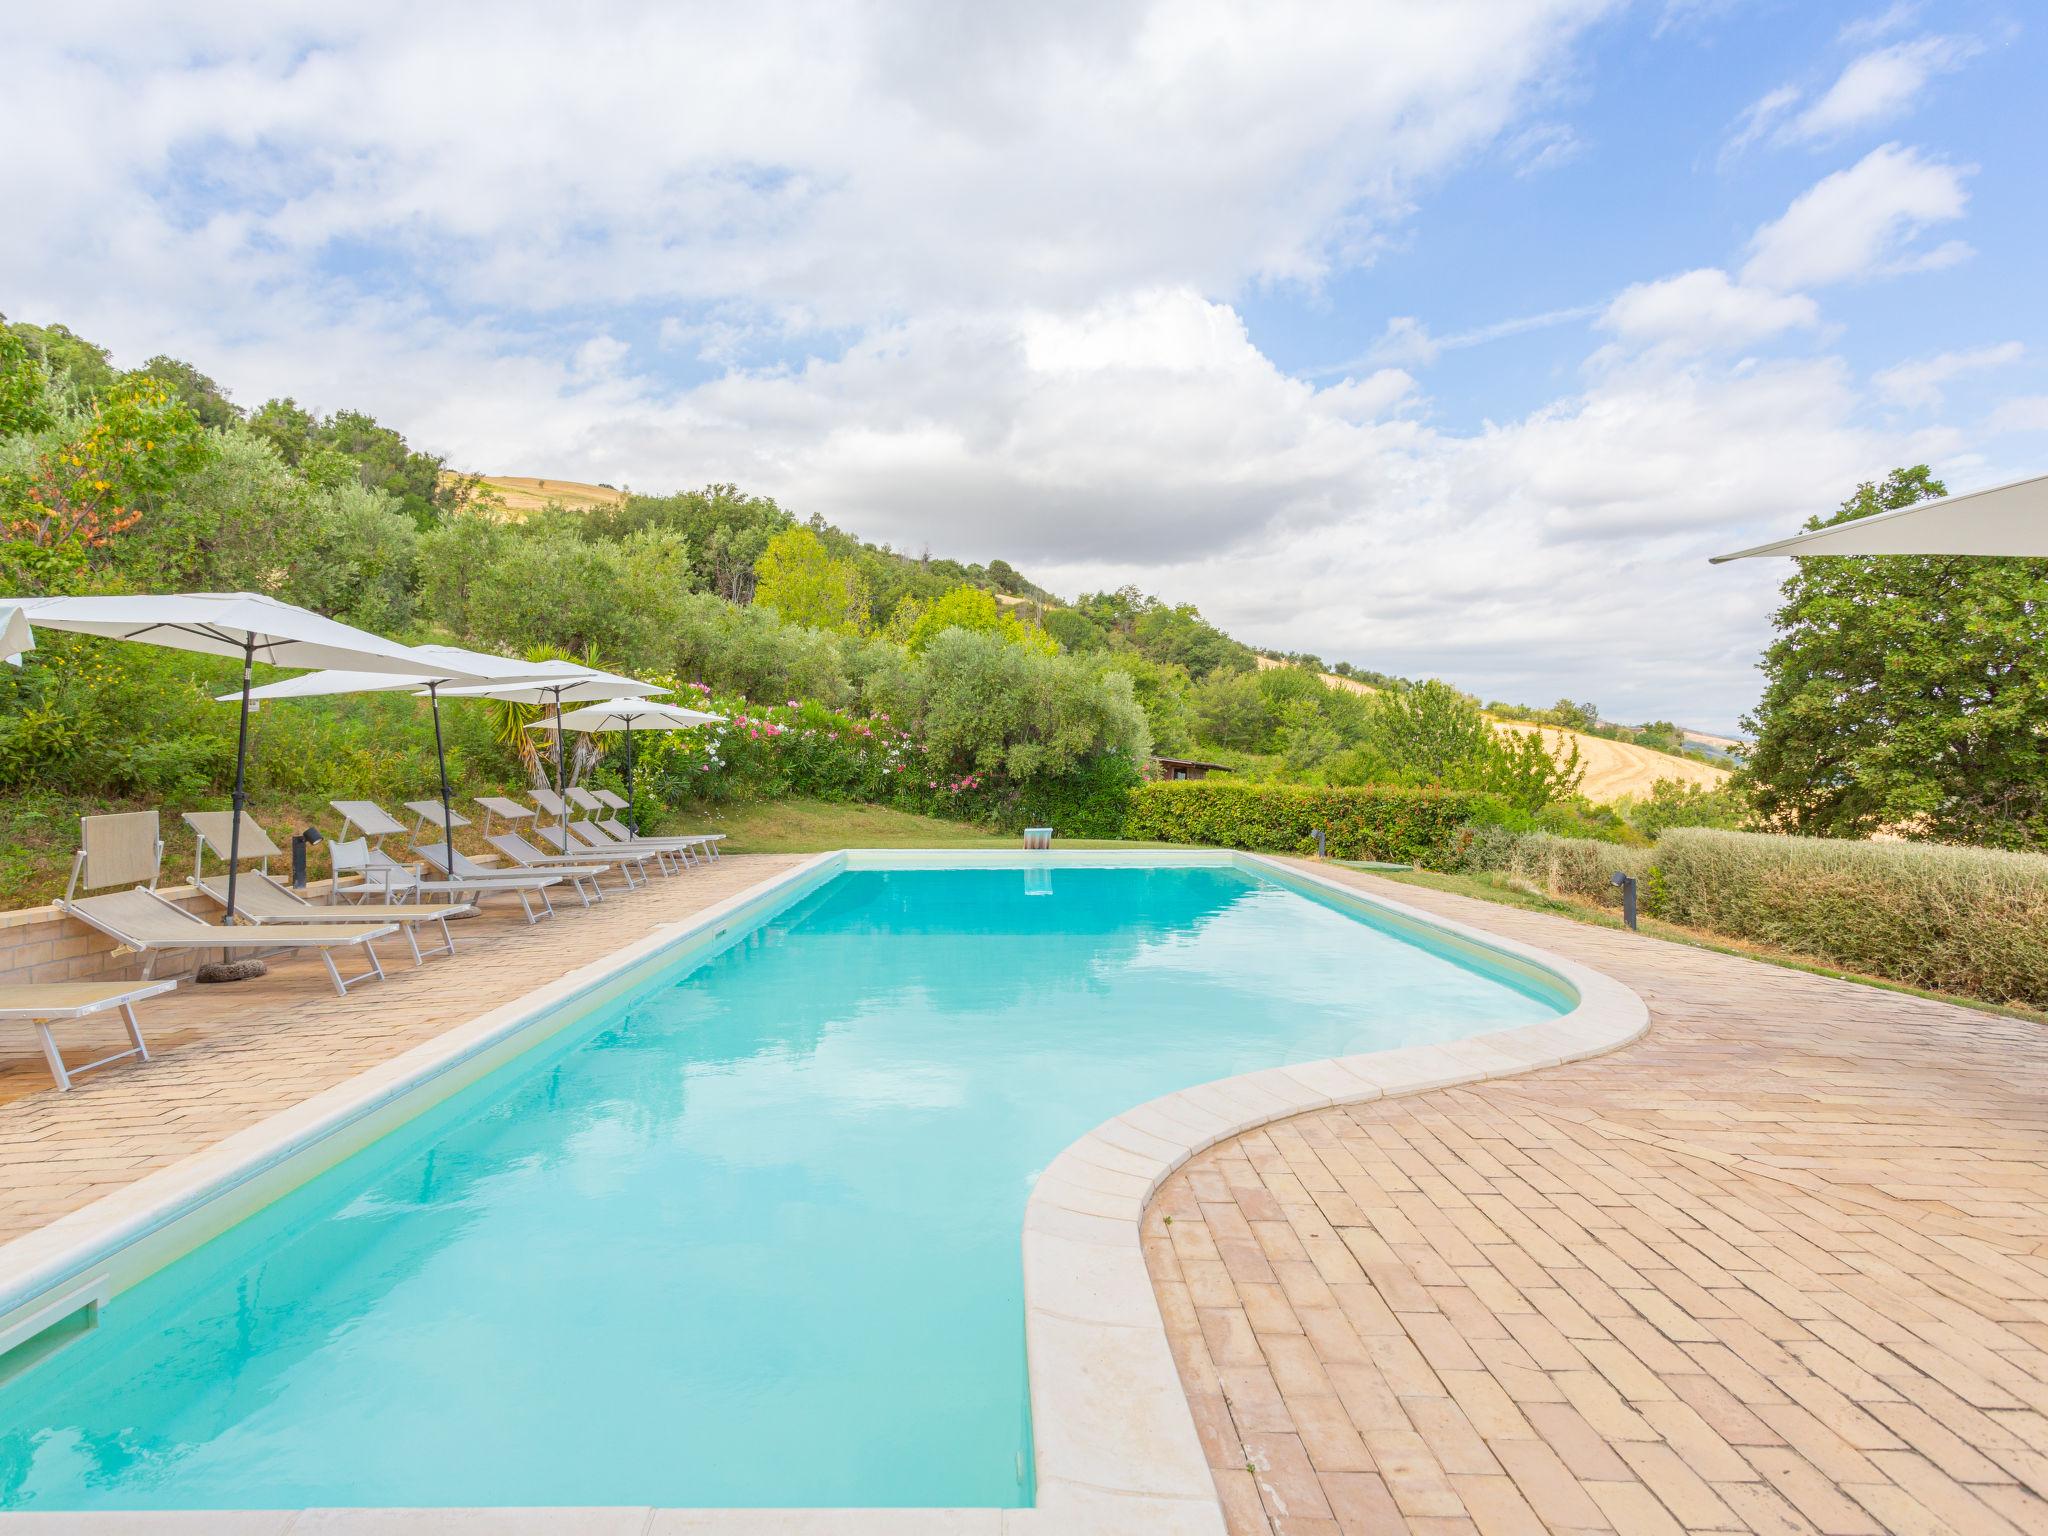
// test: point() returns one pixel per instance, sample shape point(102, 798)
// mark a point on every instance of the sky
point(1447, 338)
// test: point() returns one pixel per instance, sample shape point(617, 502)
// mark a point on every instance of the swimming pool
point(745, 1235)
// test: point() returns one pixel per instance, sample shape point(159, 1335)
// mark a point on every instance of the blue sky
point(1445, 338)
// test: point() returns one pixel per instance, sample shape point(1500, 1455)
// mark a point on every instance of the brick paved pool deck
point(1780, 1266)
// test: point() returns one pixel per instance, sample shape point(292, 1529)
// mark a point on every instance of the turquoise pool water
point(747, 1236)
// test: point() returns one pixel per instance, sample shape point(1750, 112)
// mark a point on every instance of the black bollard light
point(301, 841)
point(1628, 897)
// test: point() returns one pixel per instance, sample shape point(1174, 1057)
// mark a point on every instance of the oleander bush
point(1969, 920)
point(1418, 826)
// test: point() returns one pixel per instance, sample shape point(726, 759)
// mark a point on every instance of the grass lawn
point(1488, 887)
point(815, 826)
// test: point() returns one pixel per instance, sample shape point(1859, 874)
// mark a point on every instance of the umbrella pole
point(561, 758)
point(441, 758)
point(632, 805)
point(241, 759)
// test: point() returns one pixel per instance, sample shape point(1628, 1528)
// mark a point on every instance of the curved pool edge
point(1115, 1440)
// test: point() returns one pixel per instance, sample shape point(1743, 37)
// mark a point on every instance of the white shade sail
point(2003, 520)
point(15, 635)
point(631, 715)
point(224, 624)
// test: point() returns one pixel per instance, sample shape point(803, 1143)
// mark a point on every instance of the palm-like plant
point(511, 721)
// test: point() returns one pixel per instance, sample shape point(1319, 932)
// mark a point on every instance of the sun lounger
point(674, 856)
point(41, 1003)
point(702, 844)
point(383, 875)
point(570, 841)
point(263, 899)
point(465, 869)
point(583, 872)
point(115, 850)
point(497, 807)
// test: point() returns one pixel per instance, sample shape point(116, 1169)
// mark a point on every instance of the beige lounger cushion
point(143, 920)
point(264, 898)
point(367, 816)
point(215, 826)
point(120, 849)
point(59, 999)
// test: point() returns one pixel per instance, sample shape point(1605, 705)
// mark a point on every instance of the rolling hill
point(1615, 770)
point(527, 493)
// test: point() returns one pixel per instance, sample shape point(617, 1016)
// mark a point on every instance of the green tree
point(25, 407)
point(204, 398)
point(1906, 692)
point(970, 608)
point(798, 577)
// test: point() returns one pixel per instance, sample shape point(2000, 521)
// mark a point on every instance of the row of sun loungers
point(382, 893)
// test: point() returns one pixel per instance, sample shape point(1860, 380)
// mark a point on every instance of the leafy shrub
point(1952, 919)
point(1410, 825)
point(1577, 867)
point(1672, 804)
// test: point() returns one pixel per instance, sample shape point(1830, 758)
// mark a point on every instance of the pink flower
point(793, 704)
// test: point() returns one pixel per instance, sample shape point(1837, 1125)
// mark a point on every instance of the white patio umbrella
point(2003, 520)
point(245, 624)
point(15, 635)
point(567, 681)
point(625, 715)
point(438, 666)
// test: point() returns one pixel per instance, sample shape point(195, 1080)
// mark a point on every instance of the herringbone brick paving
point(1781, 1266)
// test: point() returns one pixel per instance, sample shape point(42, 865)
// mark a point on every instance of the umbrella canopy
point(569, 682)
point(630, 715)
point(561, 682)
point(627, 715)
point(435, 665)
point(15, 635)
point(438, 666)
point(245, 624)
point(2004, 520)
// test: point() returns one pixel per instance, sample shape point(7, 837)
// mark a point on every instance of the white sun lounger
point(581, 872)
point(386, 876)
point(571, 841)
point(703, 845)
point(40, 1003)
point(115, 850)
point(263, 899)
point(465, 869)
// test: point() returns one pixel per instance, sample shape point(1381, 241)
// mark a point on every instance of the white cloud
point(1882, 24)
point(1859, 222)
point(1919, 381)
point(1874, 87)
point(965, 279)
point(1706, 309)
point(847, 160)
point(1878, 86)
point(1543, 147)
point(2022, 413)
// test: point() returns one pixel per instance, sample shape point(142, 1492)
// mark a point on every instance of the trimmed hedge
point(1410, 826)
point(1969, 920)
point(1580, 867)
